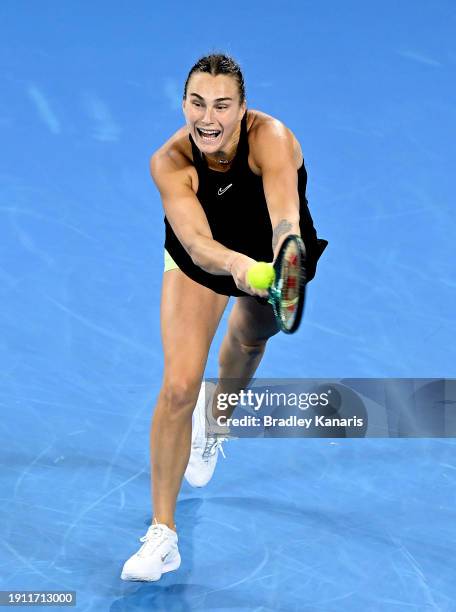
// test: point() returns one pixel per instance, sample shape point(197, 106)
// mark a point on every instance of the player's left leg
point(250, 325)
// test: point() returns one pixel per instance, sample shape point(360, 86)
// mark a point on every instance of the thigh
point(252, 322)
point(189, 317)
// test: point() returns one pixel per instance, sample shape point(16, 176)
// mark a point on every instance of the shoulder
point(270, 138)
point(174, 158)
point(173, 153)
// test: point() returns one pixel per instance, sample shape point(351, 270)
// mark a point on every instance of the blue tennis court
point(88, 93)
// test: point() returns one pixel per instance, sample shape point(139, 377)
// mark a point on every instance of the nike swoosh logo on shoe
point(222, 191)
point(165, 557)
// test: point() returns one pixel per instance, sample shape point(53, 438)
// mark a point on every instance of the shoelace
point(154, 537)
point(212, 444)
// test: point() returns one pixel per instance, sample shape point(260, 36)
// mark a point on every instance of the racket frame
point(275, 291)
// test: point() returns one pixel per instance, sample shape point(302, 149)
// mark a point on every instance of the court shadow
point(166, 595)
point(186, 597)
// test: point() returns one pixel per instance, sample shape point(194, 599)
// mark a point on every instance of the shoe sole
point(168, 567)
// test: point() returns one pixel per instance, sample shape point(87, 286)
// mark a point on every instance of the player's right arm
point(189, 222)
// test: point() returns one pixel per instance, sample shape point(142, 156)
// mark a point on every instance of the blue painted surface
point(87, 94)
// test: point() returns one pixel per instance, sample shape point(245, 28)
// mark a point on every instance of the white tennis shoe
point(205, 449)
point(159, 554)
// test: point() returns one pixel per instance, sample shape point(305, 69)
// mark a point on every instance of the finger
point(257, 292)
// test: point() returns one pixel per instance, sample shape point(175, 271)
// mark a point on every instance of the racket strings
point(291, 272)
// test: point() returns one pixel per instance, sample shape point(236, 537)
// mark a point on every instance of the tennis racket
point(287, 292)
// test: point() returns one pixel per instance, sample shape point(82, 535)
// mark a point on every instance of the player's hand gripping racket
point(286, 283)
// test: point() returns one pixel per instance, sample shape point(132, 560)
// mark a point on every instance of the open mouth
point(208, 135)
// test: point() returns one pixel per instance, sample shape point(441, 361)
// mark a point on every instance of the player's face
point(212, 105)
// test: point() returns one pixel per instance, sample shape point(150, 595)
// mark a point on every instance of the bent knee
point(253, 349)
point(250, 343)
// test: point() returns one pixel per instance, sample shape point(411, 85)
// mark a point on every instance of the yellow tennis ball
point(261, 275)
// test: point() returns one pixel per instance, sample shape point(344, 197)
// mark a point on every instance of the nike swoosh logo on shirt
point(222, 191)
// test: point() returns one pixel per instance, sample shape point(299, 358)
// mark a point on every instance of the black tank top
point(238, 216)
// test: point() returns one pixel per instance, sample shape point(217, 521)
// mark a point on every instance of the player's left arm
point(275, 155)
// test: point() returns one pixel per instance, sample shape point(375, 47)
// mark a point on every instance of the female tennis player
point(232, 183)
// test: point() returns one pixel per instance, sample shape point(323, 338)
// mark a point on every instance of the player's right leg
point(190, 314)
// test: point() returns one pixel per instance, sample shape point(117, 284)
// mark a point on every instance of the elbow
point(193, 251)
point(195, 259)
point(197, 250)
point(199, 261)
point(198, 258)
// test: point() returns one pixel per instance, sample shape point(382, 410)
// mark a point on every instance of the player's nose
point(207, 118)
